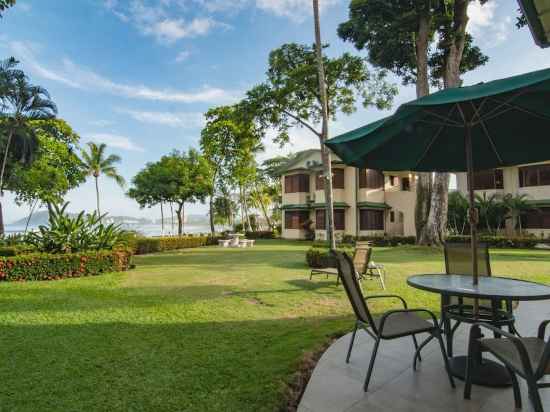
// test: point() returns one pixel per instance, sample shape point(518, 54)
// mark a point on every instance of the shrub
point(144, 245)
point(47, 266)
point(389, 240)
point(261, 234)
point(320, 257)
point(16, 250)
point(501, 241)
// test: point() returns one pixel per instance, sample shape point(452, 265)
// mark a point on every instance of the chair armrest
point(389, 313)
point(542, 328)
point(518, 343)
point(386, 297)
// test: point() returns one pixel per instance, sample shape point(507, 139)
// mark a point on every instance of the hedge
point(502, 241)
point(43, 266)
point(144, 245)
point(16, 250)
point(260, 234)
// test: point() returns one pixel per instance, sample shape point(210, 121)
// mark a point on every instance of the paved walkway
point(336, 386)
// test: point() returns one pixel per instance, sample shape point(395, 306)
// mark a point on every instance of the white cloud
point(170, 30)
point(296, 10)
point(188, 120)
point(73, 75)
point(182, 56)
point(113, 140)
point(484, 24)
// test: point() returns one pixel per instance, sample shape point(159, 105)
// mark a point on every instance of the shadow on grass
point(207, 366)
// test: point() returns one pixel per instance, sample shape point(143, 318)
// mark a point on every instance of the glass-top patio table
point(495, 288)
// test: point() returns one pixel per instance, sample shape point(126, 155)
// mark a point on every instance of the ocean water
point(146, 230)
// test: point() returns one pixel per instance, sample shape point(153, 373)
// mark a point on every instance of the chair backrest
point(346, 271)
point(361, 258)
point(458, 259)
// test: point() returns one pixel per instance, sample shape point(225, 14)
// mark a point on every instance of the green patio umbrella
point(500, 123)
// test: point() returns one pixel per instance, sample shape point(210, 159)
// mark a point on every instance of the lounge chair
point(362, 263)
point(393, 324)
point(526, 357)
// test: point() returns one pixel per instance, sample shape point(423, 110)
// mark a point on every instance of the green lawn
point(206, 329)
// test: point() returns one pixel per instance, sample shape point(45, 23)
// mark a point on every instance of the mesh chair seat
point(327, 271)
point(507, 351)
point(402, 324)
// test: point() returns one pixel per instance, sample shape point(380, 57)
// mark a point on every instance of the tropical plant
point(516, 206)
point(458, 213)
point(71, 234)
point(95, 162)
point(21, 102)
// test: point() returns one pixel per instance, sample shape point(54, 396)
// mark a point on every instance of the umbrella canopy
point(500, 123)
point(509, 122)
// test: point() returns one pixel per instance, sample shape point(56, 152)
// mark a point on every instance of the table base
point(488, 373)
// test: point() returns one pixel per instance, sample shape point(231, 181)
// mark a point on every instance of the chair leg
point(371, 363)
point(515, 387)
point(448, 335)
point(534, 394)
point(445, 358)
point(351, 342)
point(311, 275)
point(469, 368)
point(416, 348)
point(381, 274)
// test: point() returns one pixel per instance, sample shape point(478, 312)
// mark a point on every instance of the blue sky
point(139, 74)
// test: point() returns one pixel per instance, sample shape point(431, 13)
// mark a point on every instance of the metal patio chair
point(526, 357)
point(392, 324)
point(458, 260)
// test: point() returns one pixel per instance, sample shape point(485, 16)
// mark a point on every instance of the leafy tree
point(400, 35)
point(55, 170)
point(95, 162)
point(228, 142)
point(290, 95)
point(21, 102)
point(5, 4)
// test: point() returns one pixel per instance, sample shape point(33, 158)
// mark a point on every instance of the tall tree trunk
point(97, 194)
point(181, 217)
point(325, 152)
point(172, 218)
point(437, 218)
point(424, 181)
point(31, 212)
point(211, 205)
point(161, 219)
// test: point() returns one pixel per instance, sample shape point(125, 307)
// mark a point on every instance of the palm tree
point(516, 206)
point(95, 163)
point(20, 102)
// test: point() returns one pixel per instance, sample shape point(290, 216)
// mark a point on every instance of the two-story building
point(366, 202)
point(531, 180)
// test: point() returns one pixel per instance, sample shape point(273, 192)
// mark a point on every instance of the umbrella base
point(488, 373)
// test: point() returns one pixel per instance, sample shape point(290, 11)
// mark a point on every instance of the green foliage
point(321, 257)
point(71, 234)
point(56, 168)
point(42, 266)
point(501, 242)
point(388, 29)
point(261, 234)
point(144, 245)
point(15, 250)
point(290, 95)
point(385, 241)
point(457, 213)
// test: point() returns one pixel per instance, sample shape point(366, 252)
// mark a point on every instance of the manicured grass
point(206, 329)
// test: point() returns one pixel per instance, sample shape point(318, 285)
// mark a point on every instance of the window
point(392, 216)
point(339, 219)
point(297, 183)
point(371, 219)
point(488, 179)
point(295, 219)
point(370, 179)
point(337, 180)
point(392, 180)
point(320, 219)
point(406, 184)
point(534, 176)
point(537, 219)
point(401, 217)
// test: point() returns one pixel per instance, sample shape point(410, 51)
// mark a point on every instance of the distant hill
point(41, 218)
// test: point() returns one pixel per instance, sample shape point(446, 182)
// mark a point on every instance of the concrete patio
point(336, 386)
